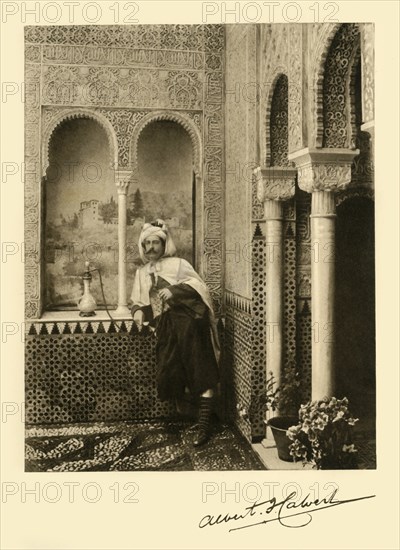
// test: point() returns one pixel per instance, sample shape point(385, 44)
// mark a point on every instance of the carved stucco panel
point(295, 88)
point(176, 66)
point(124, 122)
point(368, 71)
point(275, 46)
point(32, 185)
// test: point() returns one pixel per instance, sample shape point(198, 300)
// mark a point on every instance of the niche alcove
point(81, 215)
point(165, 187)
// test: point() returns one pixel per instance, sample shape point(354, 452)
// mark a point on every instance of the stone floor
point(159, 446)
point(124, 446)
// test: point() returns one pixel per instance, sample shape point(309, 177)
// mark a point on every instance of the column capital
point(324, 169)
point(275, 183)
point(122, 180)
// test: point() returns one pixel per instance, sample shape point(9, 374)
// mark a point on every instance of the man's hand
point(165, 294)
point(138, 318)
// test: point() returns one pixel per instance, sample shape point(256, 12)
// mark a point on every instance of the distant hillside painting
point(82, 210)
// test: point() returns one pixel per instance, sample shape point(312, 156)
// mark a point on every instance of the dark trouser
point(185, 356)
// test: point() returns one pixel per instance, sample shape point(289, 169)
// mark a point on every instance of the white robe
point(174, 271)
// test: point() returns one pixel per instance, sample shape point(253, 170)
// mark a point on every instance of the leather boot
point(204, 421)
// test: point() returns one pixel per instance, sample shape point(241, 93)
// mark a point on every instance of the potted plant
point(287, 403)
point(260, 403)
point(323, 436)
point(285, 400)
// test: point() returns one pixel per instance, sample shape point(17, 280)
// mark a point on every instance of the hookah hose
point(104, 298)
point(108, 311)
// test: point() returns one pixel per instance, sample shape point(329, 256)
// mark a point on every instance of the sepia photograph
point(199, 232)
point(199, 275)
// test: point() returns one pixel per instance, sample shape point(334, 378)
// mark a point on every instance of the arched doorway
point(355, 304)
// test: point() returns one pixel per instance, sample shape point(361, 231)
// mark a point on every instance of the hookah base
point(87, 314)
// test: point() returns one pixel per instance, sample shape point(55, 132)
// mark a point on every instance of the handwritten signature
point(285, 510)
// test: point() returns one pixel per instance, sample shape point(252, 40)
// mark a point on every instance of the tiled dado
point(84, 377)
point(238, 363)
point(44, 328)
point(91, 371)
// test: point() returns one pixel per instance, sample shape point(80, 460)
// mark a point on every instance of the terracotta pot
point(279, 426)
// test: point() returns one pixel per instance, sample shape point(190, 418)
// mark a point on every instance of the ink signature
point(287, 512)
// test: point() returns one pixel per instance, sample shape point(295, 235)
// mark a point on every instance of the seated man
point(171, 296)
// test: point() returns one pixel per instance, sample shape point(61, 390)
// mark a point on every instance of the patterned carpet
point(152, 446)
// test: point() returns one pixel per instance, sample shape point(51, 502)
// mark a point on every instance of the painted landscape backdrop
point(91, 234)
point(81, 209)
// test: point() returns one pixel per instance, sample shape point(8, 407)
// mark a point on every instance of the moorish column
point(122, 180)
point(322, 172)
point(274, 185)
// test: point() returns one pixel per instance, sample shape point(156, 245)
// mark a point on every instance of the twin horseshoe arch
point(154, 116)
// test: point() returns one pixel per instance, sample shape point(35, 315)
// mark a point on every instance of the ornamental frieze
point(126, 57)
point(177, 37)
point(107, 86)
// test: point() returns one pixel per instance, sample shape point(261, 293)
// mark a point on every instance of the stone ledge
point(73, 315)
point(268, 454)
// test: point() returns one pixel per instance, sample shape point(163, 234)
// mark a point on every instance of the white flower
point(349, 448)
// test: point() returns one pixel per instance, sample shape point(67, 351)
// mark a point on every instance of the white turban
point(159, 229)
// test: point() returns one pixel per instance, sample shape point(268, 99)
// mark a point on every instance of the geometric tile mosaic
point(89, 377)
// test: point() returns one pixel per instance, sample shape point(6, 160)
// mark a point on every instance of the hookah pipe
point(87, 304)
